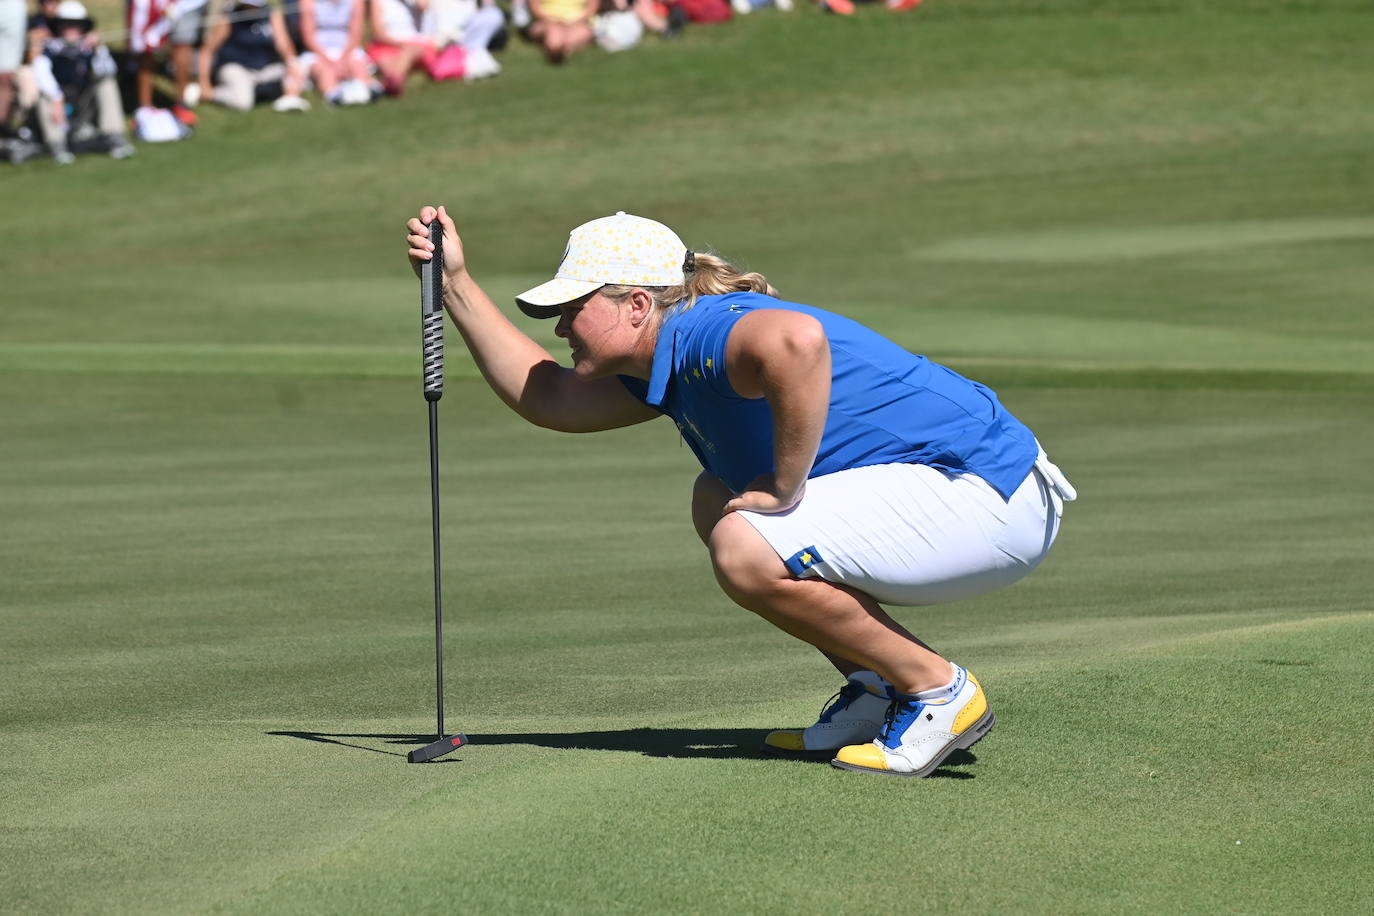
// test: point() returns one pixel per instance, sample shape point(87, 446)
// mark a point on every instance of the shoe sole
point(968, 739)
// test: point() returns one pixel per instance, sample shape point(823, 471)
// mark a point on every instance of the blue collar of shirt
point(665, 354)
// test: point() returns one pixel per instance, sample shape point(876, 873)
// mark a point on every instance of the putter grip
point(432, 315)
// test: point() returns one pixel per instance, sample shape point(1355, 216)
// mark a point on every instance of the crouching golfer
point(841, 471)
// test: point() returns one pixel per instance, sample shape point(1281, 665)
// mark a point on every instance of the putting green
point(215, 606)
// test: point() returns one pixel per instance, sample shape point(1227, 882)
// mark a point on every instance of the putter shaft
point(438, 575)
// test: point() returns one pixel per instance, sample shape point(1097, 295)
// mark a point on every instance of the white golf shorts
point(909, 534)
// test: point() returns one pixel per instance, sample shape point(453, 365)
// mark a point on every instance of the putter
point(432, 347)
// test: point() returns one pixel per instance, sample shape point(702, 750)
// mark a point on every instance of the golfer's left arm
point(782, 356)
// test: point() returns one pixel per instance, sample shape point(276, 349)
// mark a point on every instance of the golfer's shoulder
point(716, 313)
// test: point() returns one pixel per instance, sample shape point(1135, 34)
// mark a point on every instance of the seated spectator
point(249, 54)
point(405, 38)
point(708, 11)
point(473, 25)
point(665, 20)
point(185, 19)
point(40, 23)
point(617, 27)
point(174, 24)
point(562, 26)
point(332, 32)
point(78, 96)
point(745, 7)
point(621, 23)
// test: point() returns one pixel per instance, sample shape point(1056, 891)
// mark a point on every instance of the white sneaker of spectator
point(158, 125)
point(784, 5)
point(290, 103)
point(353, 92)
point(479, 64)
point(742, 7)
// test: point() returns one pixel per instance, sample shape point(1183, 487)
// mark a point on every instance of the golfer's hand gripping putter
point(432, 347)
point(432, 315)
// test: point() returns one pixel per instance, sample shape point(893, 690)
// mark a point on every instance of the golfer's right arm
point(520, 371)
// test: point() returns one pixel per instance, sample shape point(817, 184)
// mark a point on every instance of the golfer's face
point(595, 328)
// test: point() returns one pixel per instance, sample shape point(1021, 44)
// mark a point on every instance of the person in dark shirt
point(74, 73)
point(249, 52)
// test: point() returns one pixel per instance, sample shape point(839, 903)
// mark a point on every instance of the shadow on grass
point(679, 743)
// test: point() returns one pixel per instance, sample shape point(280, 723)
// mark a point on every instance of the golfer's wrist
point(460, 289)
point(788, 492)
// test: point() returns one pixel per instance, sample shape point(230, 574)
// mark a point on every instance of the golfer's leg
point(837, 620)
point(709, 496)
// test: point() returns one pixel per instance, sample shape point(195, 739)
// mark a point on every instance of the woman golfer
point(840, 470)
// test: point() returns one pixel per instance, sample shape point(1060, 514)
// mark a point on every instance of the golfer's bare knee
point(709, 496)
point(746, 566)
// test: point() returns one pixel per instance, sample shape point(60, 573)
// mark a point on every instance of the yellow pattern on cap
point(623, 250)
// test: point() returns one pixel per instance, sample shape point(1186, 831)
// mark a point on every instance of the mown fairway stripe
point(385, 362)
point(1109, 243)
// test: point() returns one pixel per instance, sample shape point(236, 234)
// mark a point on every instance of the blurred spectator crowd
point(64, 91)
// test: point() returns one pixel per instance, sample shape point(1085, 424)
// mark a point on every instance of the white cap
point(624, 250)
point(72, 11)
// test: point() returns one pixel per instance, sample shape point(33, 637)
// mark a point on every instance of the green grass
point(1146, 224)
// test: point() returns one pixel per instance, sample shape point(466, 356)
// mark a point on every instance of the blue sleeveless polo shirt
point(887, 405)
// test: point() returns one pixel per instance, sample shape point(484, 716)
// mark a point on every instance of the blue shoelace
point(895, 717)
point(840, 701)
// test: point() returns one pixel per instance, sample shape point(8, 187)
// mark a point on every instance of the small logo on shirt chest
point(687, 424)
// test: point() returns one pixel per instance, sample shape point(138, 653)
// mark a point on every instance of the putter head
point(437, 749)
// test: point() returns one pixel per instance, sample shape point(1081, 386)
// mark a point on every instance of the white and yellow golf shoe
point(853, 715)
point(922, 730)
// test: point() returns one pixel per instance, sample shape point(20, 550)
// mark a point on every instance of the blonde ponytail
point(705, 275)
